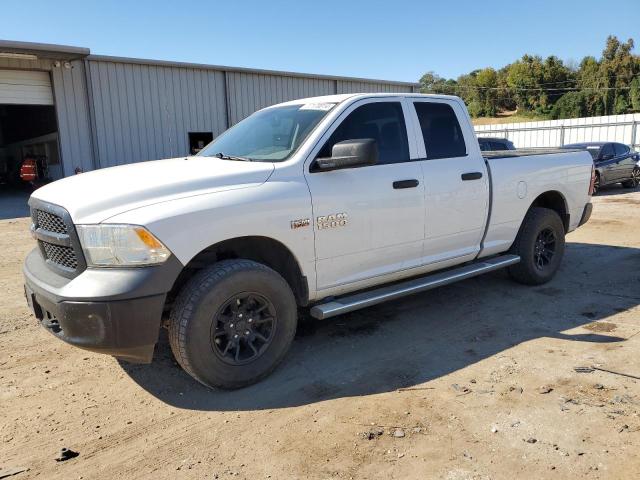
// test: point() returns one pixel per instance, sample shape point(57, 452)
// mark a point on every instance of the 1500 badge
point(331, 221)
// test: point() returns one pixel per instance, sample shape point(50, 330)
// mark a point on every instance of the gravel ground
point(476, 380)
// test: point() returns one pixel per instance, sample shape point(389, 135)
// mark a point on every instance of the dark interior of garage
point(28, 131)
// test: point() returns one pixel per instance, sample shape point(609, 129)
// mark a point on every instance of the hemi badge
point(301, 222)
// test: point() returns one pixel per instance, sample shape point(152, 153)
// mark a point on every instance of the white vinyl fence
point(556, 133)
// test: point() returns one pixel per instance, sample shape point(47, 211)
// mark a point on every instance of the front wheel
point(634, 181)
point(232, 323)
point(540, 245)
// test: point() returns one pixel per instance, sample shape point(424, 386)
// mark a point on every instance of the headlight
point(120, 245)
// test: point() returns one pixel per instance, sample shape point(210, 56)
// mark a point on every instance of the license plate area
point(32, 303)
point(46, 318)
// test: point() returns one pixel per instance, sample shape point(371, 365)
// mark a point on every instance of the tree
point(556, 79)
point(634, 94)
point(610, 84)
point(524, 78)
point(570, 105)
point(486, 81)
point(433, 83)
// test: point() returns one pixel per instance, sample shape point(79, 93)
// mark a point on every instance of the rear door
point(369, 221)
point(456, 180)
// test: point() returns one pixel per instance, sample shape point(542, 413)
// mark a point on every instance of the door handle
point(471, 176)
point(405, 183)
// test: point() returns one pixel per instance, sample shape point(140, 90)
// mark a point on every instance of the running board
point(350, 303)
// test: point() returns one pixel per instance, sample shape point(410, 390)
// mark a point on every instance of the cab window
point(441, 130)
point(381, 121)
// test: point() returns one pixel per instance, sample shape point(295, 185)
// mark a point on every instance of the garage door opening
point(28, 126)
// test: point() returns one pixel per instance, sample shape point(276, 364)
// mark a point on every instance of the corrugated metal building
point(111, 111)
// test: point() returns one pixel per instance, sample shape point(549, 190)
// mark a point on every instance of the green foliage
point(634, 94)
point(570, 105)
point(548, 87)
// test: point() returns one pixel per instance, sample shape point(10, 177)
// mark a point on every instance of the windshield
point(268, 135)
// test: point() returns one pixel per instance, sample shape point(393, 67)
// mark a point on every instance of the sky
point(371, 39)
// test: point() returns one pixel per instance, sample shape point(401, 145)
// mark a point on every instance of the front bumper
point(116, 311)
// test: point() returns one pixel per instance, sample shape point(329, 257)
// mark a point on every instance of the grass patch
point(509, 117)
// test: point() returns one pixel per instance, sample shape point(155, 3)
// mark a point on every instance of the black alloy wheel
point(544, 248)
point(243, 328)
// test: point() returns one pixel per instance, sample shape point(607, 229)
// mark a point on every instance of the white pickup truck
point(332, 203)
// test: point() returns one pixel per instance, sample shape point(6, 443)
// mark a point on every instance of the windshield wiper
point(223, 156)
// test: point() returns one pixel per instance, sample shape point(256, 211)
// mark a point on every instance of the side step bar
point(350, 303)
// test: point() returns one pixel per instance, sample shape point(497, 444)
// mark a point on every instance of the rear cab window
point(441, 130)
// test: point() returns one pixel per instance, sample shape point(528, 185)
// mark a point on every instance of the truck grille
point(50, 222)
point(60, 255)
point(57, 238)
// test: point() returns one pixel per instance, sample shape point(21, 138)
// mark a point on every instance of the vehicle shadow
point(615, 189)
point(420, 338)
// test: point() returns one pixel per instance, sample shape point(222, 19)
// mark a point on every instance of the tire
point(634, 181)
point(225, 305)
point(538, 266)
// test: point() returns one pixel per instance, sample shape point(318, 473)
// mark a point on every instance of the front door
point(456, 181)
point(368, 221)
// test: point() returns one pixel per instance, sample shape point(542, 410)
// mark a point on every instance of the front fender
point(189, 225)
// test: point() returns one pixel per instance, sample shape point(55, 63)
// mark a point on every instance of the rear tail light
point(593, 179)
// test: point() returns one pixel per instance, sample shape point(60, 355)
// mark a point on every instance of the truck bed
point(524, 152)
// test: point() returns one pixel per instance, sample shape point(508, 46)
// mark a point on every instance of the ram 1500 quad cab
point(332, 203)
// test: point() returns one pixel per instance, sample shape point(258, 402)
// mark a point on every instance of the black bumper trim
point(586, 214)
point(112, 311)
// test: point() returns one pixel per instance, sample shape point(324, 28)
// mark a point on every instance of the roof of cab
point(345, 96)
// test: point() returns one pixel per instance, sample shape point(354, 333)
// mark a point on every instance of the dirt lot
point(472, 381)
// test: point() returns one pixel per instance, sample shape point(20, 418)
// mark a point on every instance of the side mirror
point(350, 154)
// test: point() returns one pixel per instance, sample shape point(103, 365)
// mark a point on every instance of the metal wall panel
point(72, 108)
point(113, 111)
point(248, 92)
point(356, 86)
point(144, 112)
point(71, 102)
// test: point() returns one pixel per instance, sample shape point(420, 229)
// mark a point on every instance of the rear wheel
point(634, 181)
point(540, 245)
point(596, 184)
point(232, 323)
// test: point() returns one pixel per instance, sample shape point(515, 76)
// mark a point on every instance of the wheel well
point(264, 250)
point(555, 201)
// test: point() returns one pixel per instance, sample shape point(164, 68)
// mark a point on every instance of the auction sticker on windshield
point(317, 106)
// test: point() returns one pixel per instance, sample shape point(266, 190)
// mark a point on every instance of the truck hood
point(94, 197)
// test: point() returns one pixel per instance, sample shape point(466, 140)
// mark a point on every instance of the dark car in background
point(489, 144)
point(614, 162)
